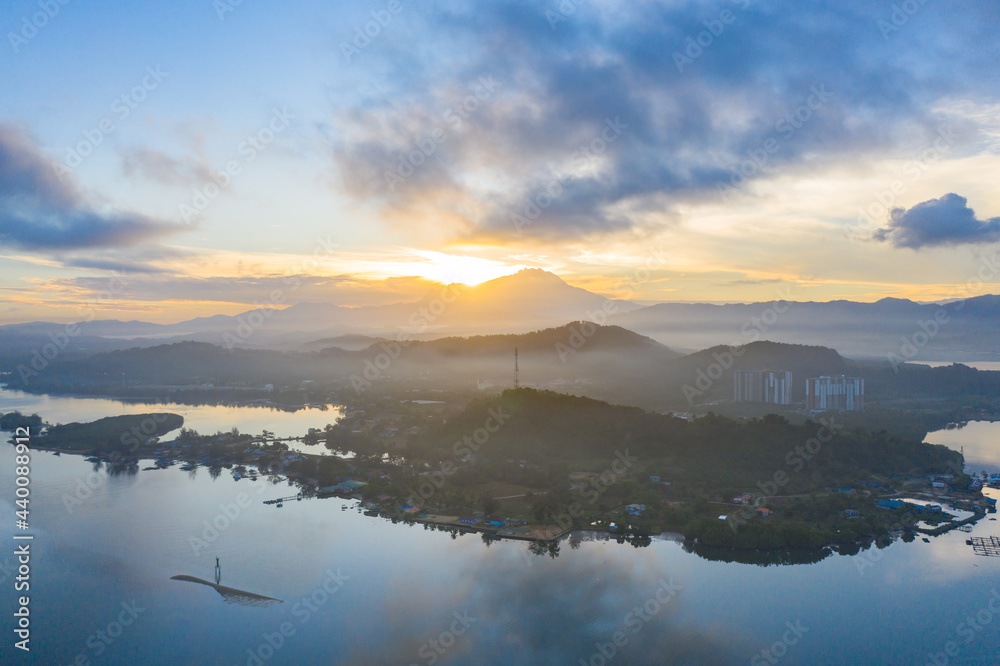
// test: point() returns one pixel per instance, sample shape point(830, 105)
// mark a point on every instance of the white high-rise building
point(771, 386)
point(838, 393)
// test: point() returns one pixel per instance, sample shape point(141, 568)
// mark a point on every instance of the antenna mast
point(517, 383)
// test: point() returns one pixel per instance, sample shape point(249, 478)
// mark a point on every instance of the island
point(536, 465)
point(125, 435)
point(14, 420)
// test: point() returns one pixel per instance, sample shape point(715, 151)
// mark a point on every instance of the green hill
point(124, 434)
point(545, 427)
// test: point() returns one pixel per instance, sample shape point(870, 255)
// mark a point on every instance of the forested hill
point(708, 374)
point(574, 335)
point(577, 349)
point(605, 362)
point(551, 428)
point(124, 434)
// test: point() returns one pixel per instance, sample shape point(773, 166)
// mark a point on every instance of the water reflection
point(206, 419)
point(980, 441)
point(558, 612)
point(536, 604)
point(766, 558)
point(231, 594)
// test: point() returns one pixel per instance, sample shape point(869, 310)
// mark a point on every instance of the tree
point(539, 507)
point(490, 504)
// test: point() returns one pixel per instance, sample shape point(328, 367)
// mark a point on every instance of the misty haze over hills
point(961, 330)
point(526, 301)
point(463, 338)
point(534, 299)
point(604, 362)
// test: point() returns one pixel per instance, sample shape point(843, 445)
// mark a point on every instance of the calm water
point(979, 439)
point(206, 419)
point(403, 587)
point(978, 365)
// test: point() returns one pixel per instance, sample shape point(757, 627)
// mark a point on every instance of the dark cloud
point(147, 259)
point(112, 265)
point(40, 229)
point(938, 222)
point(39, 211)
point(535, 148)
point(24, 173)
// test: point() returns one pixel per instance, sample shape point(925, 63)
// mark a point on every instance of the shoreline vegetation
point(536, 466)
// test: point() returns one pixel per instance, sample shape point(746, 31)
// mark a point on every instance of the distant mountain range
point(577, 350)
point(528, 300)
point(604, 362)
point(534, 299)
point(962, 330)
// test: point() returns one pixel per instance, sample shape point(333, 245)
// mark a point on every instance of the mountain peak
point(538, 272)
point(524, 275)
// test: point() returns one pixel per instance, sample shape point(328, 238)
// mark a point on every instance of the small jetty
point(986, 546)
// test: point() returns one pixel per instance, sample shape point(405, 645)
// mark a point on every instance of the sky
point(161, 161)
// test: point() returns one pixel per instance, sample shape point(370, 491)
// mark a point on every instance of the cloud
point(161, 167)
point(149, 259)
point(40, 212)
point(24, 172)
point(946, 221)
point(752, 281)
point(150, 285)
point(537, 146)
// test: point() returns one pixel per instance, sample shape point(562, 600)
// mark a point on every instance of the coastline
point(534, 533)
point(389, 507)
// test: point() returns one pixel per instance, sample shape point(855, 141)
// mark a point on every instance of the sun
point(463, 269)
